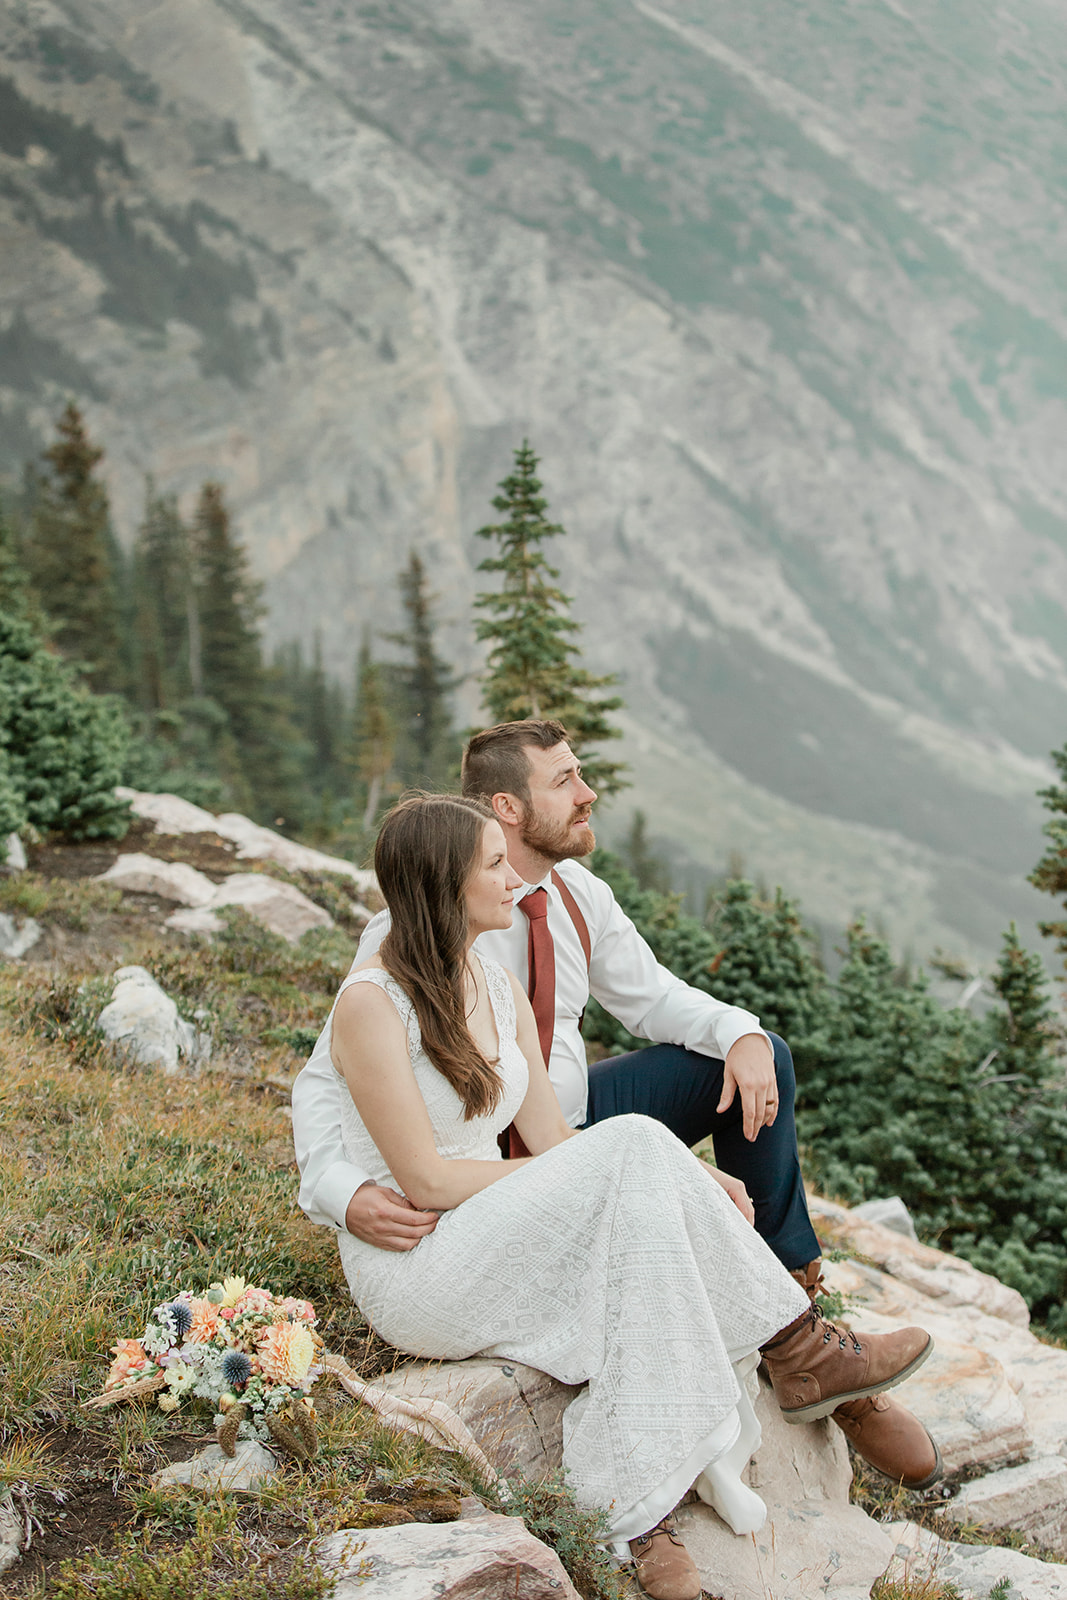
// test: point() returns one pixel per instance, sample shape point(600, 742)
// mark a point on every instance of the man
point(710, 1071)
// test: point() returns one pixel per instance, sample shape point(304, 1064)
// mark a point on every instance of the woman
point(612, 1259)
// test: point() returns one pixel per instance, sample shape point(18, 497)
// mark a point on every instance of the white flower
point(157, 1339)
point(181, 1378)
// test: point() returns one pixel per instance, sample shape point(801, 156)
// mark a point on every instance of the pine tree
point(260, 754)
point(1027, 1036)
point(72, 557)
point(650, 869)
point(429, 747)
point(374, 734)
point(164, 603)
point(1050, 874)
point(532, 671)
point(62, 749)
point(230, 609)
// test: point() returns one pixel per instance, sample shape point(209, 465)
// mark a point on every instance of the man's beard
point(556, 841)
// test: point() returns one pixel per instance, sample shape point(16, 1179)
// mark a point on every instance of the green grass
point(119, 1185)
point(69, 903)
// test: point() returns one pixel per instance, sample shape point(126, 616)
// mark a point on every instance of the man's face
point(555, 824)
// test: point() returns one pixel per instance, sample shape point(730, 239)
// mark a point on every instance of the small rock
point(144, 1022)
point(975, 1569)
point(891, 1213)
point(491, 1558)
point(169, 880)
point(14, 857)
point(16, 938)
point(12, 1531)
point(201, 920)
point(1031, 1498)
point(210, 1469)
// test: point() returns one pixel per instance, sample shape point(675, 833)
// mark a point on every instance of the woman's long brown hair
point(428, 847)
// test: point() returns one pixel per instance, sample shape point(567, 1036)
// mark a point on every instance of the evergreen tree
point(62, 749)
point(374, 734)
point(164, 604)
point(532, 671)
point(230, 609)
point(1027, 1035)
point(72, 557)
point(429, 748)
point(261, 755)
point(649, 869)
point(1050, 874)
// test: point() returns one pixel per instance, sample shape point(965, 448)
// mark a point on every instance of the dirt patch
point(90, 1509)
point(208, 852)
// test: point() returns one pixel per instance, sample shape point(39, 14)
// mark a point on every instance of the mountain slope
point(774, 290)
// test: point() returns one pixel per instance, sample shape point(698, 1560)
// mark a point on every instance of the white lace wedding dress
point(615, 1260)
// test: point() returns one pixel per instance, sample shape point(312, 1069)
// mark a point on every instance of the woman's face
point(492, 884)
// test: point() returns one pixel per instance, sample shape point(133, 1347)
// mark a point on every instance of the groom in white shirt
point(710, 1071)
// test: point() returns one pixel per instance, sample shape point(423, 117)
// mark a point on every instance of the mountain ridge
point(798, 439)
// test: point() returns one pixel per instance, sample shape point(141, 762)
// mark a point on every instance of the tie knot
point(535, 904)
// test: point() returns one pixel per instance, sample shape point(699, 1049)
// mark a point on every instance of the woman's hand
point(736, 1190)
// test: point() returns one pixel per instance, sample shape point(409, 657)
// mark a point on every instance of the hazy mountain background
point(776, 290)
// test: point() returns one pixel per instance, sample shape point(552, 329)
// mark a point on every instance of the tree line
point(160, 652)
point(148, 669)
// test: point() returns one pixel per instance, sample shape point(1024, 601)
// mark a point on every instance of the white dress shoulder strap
point(398, 995)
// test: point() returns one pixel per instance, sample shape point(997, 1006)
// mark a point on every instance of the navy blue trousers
point(681, 1089)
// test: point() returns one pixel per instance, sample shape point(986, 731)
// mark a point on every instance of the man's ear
point(509, 810)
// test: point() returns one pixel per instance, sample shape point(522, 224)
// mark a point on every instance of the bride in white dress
point(610, 1257)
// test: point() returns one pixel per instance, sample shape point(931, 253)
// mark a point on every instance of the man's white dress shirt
point(623, 975)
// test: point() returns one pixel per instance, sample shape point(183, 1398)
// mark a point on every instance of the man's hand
point(736, 1190)
point(749, 1071)
point(384, 1218)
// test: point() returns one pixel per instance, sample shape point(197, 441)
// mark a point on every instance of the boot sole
point(823, 1408)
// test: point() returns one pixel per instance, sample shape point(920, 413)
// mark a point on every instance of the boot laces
point(829, 1329)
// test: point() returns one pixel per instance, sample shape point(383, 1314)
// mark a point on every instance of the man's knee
point(783, 1069)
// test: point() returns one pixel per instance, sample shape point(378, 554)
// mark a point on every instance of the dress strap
point(398, 995)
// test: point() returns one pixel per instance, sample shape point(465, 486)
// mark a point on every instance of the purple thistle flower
point(236, 1368)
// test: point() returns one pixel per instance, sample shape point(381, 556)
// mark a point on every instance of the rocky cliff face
point(773, 289)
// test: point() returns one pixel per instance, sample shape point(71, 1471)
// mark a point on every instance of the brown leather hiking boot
point(815, 1367)
point(665, 1569)
point(891, 1440)
point(879, 1429)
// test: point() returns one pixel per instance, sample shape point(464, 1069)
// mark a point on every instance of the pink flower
point(227, 1312)
point(286, 1352)
point(299, 1310)
point(205, 1321)
point(130, 1358)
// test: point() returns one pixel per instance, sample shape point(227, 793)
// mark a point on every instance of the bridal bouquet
point(251, 1355)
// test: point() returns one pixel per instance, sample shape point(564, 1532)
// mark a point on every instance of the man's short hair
point(495, 761)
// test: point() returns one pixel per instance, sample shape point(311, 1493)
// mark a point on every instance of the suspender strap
point(574, 911)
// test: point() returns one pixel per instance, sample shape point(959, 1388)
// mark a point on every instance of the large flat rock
point(813, 1542)
point(135, 873)
point(279, 906)
point(1031, 1499)
point(975, 1569)
point(514, 1412)
point(490, 1558)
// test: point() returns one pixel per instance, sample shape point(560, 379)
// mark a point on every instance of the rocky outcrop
point(136, 873)
point(142, 1021)
point(993, 1396)
point(976, 1570)
point(281, 907)
point(172, 815)
point(490, 1558)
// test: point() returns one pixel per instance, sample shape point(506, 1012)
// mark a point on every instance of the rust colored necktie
point(541, 983)
point(541, 987)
